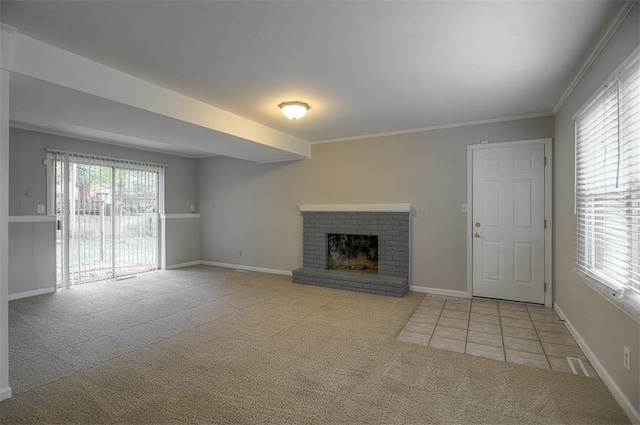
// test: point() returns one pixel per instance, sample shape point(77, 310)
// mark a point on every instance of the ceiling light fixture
point(294, 110)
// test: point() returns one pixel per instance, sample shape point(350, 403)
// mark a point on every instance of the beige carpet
point(211, 345)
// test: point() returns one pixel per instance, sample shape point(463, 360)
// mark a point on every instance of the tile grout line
point(466, 340)
point(504, 346)
point(546, 357)
point(436, 325)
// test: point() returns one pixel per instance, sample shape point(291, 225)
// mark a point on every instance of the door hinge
point(545, 287)
point(545, 160)
point(545, 223)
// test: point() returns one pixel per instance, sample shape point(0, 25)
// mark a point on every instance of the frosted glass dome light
point(294, 110)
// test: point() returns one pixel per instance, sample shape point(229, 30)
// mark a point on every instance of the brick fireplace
point(390, 224)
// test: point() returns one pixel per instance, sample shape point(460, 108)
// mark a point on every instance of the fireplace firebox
point(352, 252)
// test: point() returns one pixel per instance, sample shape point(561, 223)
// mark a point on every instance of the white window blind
point(608, 184)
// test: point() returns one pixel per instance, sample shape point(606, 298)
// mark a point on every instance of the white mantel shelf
point(356, 207)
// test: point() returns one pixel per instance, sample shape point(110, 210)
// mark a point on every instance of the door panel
point(508, 223)
point(491, 199)
point(523, 263)
point(491, 261)
point(522, 203)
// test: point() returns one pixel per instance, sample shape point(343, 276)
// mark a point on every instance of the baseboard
point(622, 400)
point(5, 393)
point(438, 291)
point(181, 265)
point(247, 268)
point(30, 293)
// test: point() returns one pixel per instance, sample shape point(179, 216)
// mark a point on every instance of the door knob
point(477, 224)
point(476, 235)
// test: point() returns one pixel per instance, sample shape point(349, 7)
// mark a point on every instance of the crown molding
point(620, 17)
point(435, 127)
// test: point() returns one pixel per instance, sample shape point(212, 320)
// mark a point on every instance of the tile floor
point(512, 332)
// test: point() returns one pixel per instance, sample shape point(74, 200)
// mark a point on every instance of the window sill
point(628, 303)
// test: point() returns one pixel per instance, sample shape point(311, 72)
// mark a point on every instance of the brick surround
point(392, 230)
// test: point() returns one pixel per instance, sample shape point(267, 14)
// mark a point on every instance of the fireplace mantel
point(356, 207)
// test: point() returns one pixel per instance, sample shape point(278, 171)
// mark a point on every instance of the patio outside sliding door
point(107, 213)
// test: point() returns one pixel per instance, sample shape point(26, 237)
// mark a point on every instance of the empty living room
point(320, 212)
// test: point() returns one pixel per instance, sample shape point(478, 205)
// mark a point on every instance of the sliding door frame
point(115, 164)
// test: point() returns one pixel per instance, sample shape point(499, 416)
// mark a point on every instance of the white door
point(508, 216)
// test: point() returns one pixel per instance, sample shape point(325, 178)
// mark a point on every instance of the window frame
point(625, 291)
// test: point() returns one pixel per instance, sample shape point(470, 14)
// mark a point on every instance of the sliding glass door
point(107, 217)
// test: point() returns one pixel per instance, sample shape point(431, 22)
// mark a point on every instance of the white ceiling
point(364, 67)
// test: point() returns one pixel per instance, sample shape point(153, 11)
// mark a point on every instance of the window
point(608, 185)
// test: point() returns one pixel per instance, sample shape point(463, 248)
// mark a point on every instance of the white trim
point(622, 15)
point(5, 393)
point(438, 291)
point(469, 222)
point(31, 218)
point(31, 293)
point(435, 127)
point(548, 216)
point(617, 393)
point(7, 28)
point(356, 207)
point(248, 268)
point(548, 211)
point(181, 265)
point(187, 215)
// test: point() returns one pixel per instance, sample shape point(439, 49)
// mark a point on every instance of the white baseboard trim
point(622, 400)
point(438, 291)
point(31, 293)
point(5, 393)
point(181, 265)
point(248, 268)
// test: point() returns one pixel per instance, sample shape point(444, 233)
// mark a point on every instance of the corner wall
point(254, 208)
point(602, 326)
point(5, 390)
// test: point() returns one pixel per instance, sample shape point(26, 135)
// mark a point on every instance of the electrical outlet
point(41, 209)
point(463, 208)
point(626, 359)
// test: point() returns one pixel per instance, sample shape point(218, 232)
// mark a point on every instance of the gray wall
point(603, 326)
point(32, 243)
point(27, 149)
point(183, 240)
point(32, 259)
point(254, 207)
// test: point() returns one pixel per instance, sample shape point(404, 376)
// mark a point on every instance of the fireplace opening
point(352, 252)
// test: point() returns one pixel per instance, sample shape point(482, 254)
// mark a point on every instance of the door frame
point(548, 210)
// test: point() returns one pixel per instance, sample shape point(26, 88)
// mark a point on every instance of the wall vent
point(577, 367)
